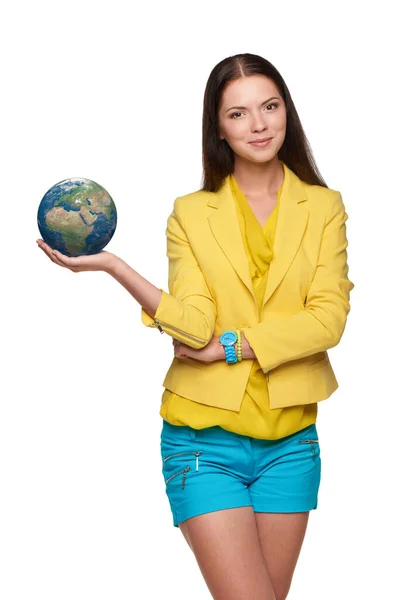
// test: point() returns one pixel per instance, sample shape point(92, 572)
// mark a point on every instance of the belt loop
point(192, 433)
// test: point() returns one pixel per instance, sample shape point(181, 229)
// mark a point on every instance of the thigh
point(227, 548)
point(284, 492)
point(281, 537)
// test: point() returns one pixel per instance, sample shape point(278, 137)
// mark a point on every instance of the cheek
point(235, 132)
point(280, 124)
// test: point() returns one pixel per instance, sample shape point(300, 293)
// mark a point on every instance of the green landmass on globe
point(77, 217)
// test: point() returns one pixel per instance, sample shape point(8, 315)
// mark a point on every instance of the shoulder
point(320, 198)
point(325, 194)
point(192, 205)
point(323, 199)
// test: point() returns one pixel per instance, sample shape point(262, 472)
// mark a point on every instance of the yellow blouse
point(255, 417)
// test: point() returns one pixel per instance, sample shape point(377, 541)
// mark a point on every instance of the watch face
point(228, 338)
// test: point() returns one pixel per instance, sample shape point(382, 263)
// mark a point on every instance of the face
point(252, 111)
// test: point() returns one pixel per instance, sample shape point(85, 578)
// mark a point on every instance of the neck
point(258, 179)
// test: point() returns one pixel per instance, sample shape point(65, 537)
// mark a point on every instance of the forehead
point(248, 90)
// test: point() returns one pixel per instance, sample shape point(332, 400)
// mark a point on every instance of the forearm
point(144, 292)
point(279, 340)
point(191, 322)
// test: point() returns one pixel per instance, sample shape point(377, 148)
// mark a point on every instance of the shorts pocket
point(177, 462)
point(314, 445)
point(195, 453)
point(183, 472)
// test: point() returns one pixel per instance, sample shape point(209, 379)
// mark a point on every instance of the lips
point(260, 141)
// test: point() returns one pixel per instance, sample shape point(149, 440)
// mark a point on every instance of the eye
point(232, 116)
point(272, 104)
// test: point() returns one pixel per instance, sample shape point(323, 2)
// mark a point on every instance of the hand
point(210, 353)
point(93, 262)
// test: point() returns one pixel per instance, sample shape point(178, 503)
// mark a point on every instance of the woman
point(258, 291)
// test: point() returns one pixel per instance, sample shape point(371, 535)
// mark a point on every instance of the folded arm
point(320, 326)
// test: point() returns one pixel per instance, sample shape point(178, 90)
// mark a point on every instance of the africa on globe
point(77, 217)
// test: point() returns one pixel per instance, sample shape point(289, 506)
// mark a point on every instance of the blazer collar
point(292, 220)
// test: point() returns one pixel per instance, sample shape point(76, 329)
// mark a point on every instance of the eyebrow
point(244, 107)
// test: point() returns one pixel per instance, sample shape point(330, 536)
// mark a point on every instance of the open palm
point(92, 262)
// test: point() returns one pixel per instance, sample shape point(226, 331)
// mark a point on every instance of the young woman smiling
point(258, 292)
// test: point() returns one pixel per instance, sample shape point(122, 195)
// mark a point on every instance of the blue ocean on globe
point(77, 216)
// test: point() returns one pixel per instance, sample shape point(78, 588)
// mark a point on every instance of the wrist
point(220, 352)
point(247, 351)
point(112, 264)
point(238, 345)
point(229, 343)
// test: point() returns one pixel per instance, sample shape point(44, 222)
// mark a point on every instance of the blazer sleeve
point(321, 324)
point(188, 311)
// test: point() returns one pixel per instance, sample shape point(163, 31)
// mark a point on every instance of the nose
point(258, 123)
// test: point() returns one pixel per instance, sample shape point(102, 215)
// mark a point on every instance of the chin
point(260, 157)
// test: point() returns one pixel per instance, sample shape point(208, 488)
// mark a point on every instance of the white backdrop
point(113, 92)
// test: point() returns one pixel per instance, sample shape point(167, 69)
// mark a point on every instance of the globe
point(77, 216)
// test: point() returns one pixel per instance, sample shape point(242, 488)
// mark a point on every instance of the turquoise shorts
point(212, 469)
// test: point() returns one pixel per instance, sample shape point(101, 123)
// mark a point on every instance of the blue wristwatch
point(227, 340)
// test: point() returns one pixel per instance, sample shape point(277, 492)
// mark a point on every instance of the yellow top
point(255, 417)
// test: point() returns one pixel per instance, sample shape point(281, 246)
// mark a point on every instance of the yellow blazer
point(305, 305)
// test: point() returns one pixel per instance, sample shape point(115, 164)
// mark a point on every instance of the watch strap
point(230, 354)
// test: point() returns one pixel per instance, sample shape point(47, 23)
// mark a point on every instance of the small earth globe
point(77, 216)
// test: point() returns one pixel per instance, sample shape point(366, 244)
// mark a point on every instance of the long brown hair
point(218, 157)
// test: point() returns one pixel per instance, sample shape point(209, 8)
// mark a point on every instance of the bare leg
point(281, 537)
point(227, 548)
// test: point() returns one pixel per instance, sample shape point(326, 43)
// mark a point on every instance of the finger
point(52, 254)
point(46, 248)
point(43, 246)
point(67, 261)
point(57, 262)
point(183, 350)
point(73, 263)
point(49, 252)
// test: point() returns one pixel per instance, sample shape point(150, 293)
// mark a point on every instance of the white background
point(113, 92)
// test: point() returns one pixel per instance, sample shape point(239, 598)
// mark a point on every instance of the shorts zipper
point(183, 473)
point(183, 333)
point(197, 454)
point(311, 442)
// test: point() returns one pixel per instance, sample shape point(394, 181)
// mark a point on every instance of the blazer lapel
point(292, 220)
point(224, 224)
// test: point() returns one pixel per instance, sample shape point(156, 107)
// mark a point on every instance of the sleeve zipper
point(183, 333)
point(159, 326)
